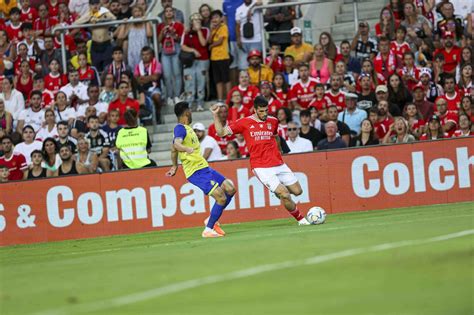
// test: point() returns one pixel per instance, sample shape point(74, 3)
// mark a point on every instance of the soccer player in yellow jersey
point(197, 171)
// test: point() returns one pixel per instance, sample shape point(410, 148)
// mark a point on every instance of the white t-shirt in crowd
point(210, 142)
point(100, 108)
point(26, 149)
point(32, 118)
point(65, 115)
point(15, 104)
point(44, 133)
point(80, 90)
point(299, 145)
point(241, 16)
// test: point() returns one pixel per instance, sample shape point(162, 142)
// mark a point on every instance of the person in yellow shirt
point(258, 71)
point(220, 57)
point(302, 52)
point(187, 147)
point(6, 6)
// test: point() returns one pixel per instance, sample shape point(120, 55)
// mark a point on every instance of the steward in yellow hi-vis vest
point(134, 143)
point(197, 171)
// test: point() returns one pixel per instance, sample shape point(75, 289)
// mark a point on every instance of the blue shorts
point(206, 179)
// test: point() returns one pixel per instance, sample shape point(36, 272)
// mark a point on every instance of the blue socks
point(217, 210)
point(216, 213)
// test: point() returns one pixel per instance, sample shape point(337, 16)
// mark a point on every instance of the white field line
point(303, 229)
point(192, 284)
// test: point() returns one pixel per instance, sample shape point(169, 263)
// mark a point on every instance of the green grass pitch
point(401, 261)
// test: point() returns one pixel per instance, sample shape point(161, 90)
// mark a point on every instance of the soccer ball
point(316, 215)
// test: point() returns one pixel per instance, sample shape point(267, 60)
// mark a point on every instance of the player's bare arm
point(278, 141)
point(174, 160)
point(220, 129)
point(178, 145)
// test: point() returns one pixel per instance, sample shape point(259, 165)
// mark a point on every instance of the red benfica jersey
point(18, 61)
point(321, 104)
point(53, 9)
point(54, 82)
point(14, 33)
point(451, 58)
point(282, 97)
point(382, 127)
point(338, 99)
point(222, 142)
point(47, 98)
point(86, 76)
point(399, 49)
point(414, 72)
point(283, 131)
point(68, 41)
point(273, 106)
point(16, 164)
point(122, 108)
point(248, 95)
point(44, 26)
point(390, 65)
point(260, 139)
point(277, 65)
point(417, 124)
point(449, 116)
point(29, 15)
point(238, 113)
point(454, 102)
point(303, 93)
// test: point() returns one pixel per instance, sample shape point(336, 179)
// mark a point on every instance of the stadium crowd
point(412, 81)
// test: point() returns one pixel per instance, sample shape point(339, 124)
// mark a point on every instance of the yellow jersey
point(264, 73)
point(220, 52)
point(299, 52)
point(191, 162)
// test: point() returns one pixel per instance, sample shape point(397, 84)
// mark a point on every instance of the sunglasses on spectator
point(292, 129)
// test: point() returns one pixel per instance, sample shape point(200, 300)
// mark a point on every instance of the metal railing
point(293, 4)
point(153, 20)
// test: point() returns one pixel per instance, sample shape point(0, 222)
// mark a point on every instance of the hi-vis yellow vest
point(195, 161)
point(132, 145)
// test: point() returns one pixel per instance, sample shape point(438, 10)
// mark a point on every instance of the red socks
point(296, 214)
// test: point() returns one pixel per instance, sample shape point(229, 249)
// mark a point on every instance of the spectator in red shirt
point(384, 119)
point(23, 56)
point(280, 89)
point(465, 126)
point(452, 97)
point(386, 25)
point(409, 73)
point(423, 107)
point(123, 102)
point(399, 46)
point(274, 61)
point(335, 95)
point(386, 62)
point(466, 107)
point(195, 42)
point(236, 109)
point(28, 14)
point(451, 53)
point(273, 104)
point(14, 28)
point(248, 92)
point(414, 119)
point(44, 24)
point(15, 162)
point(54, 80)
point(448, 119)
point(302, 92)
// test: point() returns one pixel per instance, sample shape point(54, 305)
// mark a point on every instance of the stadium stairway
point(342, 28)
point(368, 10)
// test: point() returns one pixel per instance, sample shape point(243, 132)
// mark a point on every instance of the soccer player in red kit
point(261, 135)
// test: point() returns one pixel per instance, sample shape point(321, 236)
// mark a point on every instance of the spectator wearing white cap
point(351, 115)
point(296, 143)
point(299, 50)
point(209, 148)
point(249, 30)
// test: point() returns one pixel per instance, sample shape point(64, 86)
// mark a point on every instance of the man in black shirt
point(99, 142)
point(333, 141)
point(308, 132)
point(342, 129)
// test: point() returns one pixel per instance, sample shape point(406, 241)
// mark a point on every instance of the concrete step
point(168, 135)
point(161, 158)
point(347, 28)
point(363, 15)
point(197, 116)
point(363, 6)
